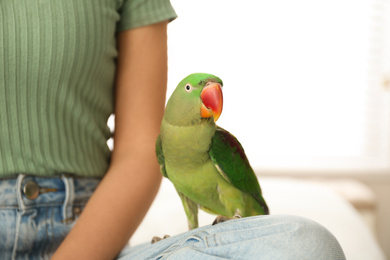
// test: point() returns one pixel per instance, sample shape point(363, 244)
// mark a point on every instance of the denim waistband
point(65, 190)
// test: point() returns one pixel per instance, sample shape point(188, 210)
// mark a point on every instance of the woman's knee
point(302, 237)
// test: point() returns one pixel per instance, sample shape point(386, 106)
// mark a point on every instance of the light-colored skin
point(126, 192)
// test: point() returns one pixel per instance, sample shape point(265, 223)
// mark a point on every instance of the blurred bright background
point(306, 83)
point(306, 87)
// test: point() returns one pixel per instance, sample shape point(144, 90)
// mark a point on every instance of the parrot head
point(197, 97)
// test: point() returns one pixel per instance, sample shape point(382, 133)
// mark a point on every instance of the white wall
point(294, 75)
point(295, 85)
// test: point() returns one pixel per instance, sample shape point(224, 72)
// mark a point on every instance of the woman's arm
point(126, 192)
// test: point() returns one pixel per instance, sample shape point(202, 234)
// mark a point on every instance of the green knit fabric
point(57, 69)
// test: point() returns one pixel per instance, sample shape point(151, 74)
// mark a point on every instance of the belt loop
point(19, 192)
point(67, 210)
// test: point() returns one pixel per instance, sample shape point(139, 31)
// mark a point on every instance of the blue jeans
point(262, 237)
point(33, 225)
point(37, 213)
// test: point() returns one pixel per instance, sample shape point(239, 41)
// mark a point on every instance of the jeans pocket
point(58, 229)
point(192, 240)
point(186, 243)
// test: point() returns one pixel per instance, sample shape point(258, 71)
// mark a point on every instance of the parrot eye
point(188, 87)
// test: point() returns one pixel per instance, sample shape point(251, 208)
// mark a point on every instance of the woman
point(66, 65)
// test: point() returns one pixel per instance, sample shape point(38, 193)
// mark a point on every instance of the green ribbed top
point(57, 69)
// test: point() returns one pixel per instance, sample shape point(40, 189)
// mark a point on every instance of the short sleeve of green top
point(136, 13)
point(57, 72)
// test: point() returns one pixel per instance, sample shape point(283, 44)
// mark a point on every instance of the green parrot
point(206, 164)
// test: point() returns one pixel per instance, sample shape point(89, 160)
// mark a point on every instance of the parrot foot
point(156, 239)
point(220, 219)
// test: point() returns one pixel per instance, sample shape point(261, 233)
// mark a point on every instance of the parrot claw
point(156, 239)
point(220, 219)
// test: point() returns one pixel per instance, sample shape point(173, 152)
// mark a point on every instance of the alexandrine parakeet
point(206, 164)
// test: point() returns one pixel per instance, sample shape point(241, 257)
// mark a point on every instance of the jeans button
point(31, 190)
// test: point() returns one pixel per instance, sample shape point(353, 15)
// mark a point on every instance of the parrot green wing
point(160, 156)
point(229, 158)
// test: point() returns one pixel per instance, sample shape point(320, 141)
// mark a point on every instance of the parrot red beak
point(212, 101)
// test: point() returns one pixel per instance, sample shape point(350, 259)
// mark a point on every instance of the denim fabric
point(263, 237)
point(34, 228)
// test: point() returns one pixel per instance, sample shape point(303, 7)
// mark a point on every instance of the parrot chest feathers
point(186, 146)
